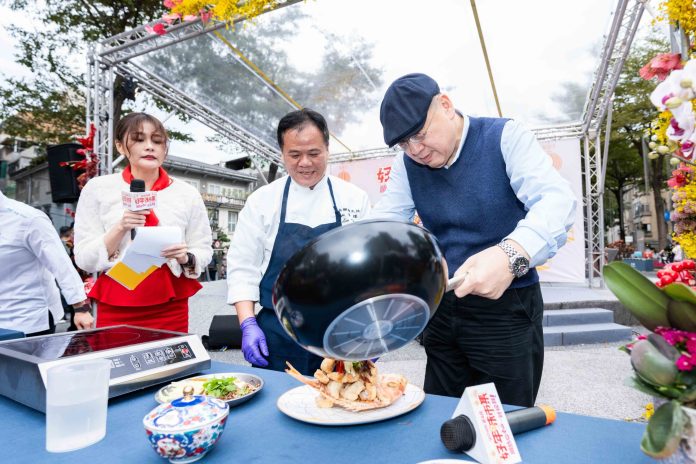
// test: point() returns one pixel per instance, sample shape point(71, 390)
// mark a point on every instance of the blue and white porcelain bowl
point(184, 430)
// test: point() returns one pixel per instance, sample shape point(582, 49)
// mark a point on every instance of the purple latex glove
point(253, 342)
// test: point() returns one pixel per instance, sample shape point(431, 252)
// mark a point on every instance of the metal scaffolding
point(617, 44)
point(114, 56)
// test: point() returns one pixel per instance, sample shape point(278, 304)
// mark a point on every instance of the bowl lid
point(186, 413)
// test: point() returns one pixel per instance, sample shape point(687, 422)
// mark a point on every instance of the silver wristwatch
point(519, 265)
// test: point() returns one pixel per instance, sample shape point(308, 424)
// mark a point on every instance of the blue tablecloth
point(257, 432)
point(7, 334)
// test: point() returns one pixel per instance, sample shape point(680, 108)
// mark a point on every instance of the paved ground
point(583, 379)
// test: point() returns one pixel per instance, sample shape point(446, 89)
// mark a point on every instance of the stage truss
point(114, 55)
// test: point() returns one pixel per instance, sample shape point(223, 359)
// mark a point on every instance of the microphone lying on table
point(136, 186)
point(458, 434)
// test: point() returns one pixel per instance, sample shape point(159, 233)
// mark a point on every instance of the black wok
point(362, 290)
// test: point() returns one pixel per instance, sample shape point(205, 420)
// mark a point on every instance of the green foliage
point(37, 160)
point(638, 294)
point(663, 433)
point(335, 87)
point(221, 235)
point(632, 115)
point(49, 105)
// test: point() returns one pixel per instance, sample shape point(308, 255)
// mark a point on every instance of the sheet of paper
point(139, 262)
point(151, 241)
point(143, 256)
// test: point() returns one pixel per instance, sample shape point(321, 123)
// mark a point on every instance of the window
point(231, 221)
point(214, 189)
point(233, 192)
point(193, 182)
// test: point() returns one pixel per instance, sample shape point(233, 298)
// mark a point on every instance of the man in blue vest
point(490, 194)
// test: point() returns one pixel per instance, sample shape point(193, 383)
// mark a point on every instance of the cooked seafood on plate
point(229, 387)
point(355, 386)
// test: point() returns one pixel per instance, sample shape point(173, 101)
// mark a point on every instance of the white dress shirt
point(547, 197)
point(255, 234)
point(33, 258)
point(100, 208)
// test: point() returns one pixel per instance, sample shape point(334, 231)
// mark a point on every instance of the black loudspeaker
point(63, 179)
point(224, 331)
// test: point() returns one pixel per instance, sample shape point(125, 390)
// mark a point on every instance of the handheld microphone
point(136, 186)
point(458, 434)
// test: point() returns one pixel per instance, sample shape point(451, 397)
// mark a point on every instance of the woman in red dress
point(103, 232)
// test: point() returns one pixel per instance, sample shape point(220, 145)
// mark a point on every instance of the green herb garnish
point(220, 388)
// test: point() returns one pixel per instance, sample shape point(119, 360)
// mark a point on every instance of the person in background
point(33, 258)
point(212, 268)
point(489, 193)
point(66, 234)
point(648, 253)
point(103, 233)
point(277, 220)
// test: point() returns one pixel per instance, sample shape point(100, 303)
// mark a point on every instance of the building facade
point(15, 154)
point(224, 191)
point(640, 220)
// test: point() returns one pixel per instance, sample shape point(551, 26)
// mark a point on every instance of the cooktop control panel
point(143, 360)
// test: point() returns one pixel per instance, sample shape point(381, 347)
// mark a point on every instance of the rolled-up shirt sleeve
point(546, 195)
point(43, 241)
point(246, 254)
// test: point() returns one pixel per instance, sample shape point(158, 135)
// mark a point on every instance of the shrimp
point(357, 396)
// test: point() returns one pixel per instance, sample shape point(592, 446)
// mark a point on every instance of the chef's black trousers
point(475, 340)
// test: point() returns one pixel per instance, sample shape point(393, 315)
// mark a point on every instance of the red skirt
point(172, 315)
point(159, 302)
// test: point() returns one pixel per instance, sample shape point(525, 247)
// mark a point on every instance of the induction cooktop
point(140, 357)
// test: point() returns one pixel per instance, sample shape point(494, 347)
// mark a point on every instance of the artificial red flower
point(661, 65)
point(678, 180)
point(206, 16)
point(170, 18)
point(158, 29)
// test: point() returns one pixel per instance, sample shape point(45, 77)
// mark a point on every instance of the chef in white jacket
point(277, 220)
point(33, 259)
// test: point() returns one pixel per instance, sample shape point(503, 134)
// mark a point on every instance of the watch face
point(520, 266)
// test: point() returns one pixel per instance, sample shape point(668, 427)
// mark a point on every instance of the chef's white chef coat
point(32, 258)
point(253, 239)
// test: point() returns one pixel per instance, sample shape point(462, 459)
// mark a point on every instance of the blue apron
point(291, 237)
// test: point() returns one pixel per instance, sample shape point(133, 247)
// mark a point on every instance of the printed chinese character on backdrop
point(383, 177)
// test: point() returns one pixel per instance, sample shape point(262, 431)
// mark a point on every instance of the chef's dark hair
point(300, 118)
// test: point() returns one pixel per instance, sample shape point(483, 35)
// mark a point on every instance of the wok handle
point(455, 281)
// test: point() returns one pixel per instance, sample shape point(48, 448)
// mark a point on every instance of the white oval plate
point(299, 403)
point(248, 378)
point(446, 461)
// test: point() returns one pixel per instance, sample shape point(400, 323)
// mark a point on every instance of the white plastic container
point(77, 397)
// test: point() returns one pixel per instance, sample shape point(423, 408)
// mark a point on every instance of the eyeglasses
point(419, 137)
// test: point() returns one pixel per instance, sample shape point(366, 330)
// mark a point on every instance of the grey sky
point(533, 45)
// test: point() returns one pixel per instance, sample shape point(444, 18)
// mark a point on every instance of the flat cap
point(405, 106)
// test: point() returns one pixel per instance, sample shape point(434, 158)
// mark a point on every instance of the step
point(577, 316)
point(578, 334)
